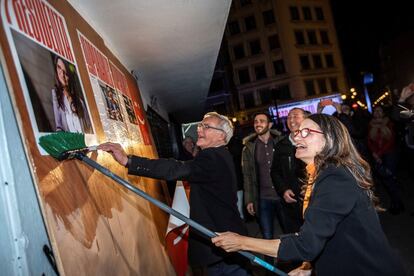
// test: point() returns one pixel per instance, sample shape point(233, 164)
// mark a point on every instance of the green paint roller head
point(64, 145)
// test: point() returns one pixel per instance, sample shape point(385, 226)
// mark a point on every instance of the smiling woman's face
point(310, 146)
point(62, 73)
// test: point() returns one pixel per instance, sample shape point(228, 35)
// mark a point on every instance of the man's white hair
point(225, 124)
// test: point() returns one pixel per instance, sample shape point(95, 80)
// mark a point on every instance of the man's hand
point(407, 92)
point(289, 196)
point(116, 151)
point(250, 208)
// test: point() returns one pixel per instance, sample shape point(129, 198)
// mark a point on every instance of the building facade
point(282, 51)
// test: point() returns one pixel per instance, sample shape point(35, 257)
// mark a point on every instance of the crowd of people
point(317, 181)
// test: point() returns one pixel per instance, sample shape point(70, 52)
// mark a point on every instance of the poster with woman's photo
point(48, 74)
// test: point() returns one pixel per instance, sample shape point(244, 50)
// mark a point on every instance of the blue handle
point(171, 211)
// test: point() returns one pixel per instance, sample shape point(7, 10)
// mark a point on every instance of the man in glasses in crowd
point(288, 172)
point(213, 194)
point(259, 194)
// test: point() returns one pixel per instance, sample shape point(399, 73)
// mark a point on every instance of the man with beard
point(288, 172)
point(260, 196)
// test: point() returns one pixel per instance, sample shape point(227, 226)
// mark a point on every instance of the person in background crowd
point(213, 198)
point(259, 194)
point(404, 111)
point(381, 143)
point(403, 114)
point(341, 234)
point(190, 149)
point(235, 147)
point(357, 124)
point(288, 173)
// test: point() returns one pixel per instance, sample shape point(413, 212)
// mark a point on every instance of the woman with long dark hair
point(69, 110)
point(341, 234)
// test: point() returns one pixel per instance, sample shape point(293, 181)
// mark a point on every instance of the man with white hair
point(213, 194)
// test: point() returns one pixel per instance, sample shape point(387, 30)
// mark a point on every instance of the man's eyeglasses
point(304, 132)
point(205, 126)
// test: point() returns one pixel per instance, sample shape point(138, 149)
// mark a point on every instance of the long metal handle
point(171, 211)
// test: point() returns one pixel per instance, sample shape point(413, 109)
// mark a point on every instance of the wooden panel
point(96, 226)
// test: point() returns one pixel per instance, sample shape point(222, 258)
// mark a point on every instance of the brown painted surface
point(96, 226)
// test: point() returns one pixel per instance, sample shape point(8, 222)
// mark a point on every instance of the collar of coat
point(250, 138)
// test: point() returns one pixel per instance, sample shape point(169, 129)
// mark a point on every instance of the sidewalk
point(400, 228)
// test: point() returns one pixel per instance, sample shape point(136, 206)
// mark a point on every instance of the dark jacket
point(341, 234)
point(251, 185)
point(212, 195)
point(405, 123)
point(288, 172)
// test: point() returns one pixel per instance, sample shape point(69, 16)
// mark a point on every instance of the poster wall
point(48, 73)
point(120, 116)
point(63, 78)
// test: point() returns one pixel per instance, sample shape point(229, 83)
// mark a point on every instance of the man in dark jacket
point(288, 173)
point(404, 112)
point(213, 191)
point(259, 194)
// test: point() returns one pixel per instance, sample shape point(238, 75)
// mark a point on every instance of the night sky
point(362, 26)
